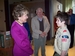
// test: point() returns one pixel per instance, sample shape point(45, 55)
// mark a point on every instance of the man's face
point(70, 11)
point(39, 13)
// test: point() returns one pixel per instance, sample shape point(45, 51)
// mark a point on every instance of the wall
point(68, 5)
point(12, 1)
point(2, 16)
point(53, 10)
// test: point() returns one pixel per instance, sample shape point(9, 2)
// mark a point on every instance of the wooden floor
point(50, 50)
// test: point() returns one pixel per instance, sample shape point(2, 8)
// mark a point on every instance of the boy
point(62, 39)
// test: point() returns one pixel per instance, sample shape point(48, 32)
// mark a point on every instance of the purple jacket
point(22, 46)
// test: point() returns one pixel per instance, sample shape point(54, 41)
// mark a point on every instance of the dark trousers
point(56, 54)
point(71, 30)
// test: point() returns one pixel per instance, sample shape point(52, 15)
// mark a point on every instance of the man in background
point(71, 26)
point(40, 27)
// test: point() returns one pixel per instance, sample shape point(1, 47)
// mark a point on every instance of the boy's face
point(58, 22)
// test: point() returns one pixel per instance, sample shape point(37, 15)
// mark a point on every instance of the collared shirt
point(40, 19)
point(62, 40)
point(72, 19)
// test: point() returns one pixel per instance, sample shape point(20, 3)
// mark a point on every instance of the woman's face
point(24, 17)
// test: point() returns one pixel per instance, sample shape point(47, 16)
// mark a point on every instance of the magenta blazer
point(22, 46)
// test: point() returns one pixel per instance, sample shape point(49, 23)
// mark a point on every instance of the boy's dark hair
point(58, 11)
point(18, 11)
point(63, 16)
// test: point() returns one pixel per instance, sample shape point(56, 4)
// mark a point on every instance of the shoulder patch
point(65, 36)
point(65, 31)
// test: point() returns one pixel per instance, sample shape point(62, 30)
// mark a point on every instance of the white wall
point(55, 8)
point(73, 6)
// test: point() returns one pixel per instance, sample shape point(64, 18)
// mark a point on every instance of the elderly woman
point(22, 46)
